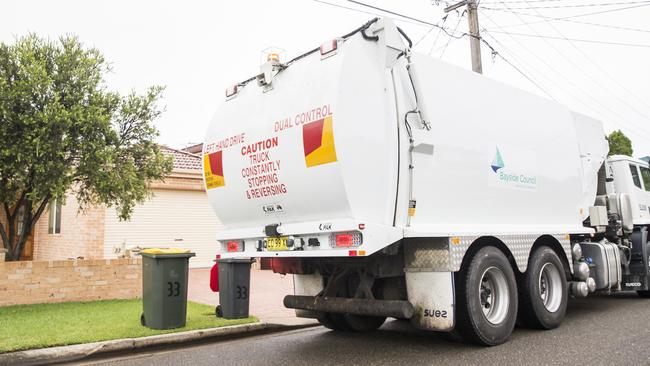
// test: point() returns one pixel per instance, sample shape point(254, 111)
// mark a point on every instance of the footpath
point(267, 291)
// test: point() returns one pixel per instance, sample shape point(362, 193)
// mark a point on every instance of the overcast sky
point(197, 49)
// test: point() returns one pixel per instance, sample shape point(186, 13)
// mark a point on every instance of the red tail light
point(233, 246)
point(344, 240)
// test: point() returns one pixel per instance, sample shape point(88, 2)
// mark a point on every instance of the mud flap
point(310, 285)
point(432, 296)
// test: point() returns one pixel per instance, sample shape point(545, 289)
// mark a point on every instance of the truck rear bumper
point(374, 238)
point(390, 308)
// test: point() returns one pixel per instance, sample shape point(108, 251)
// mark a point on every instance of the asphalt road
point(597, 331)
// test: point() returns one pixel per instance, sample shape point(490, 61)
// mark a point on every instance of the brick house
point(178, 215)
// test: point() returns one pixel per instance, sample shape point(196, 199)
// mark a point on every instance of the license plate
point(276, 243)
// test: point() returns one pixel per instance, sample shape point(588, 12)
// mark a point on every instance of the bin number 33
point(173, 289)
point(242, 292)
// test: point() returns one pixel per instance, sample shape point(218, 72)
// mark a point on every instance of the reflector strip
point(213, 170)
point(318, 142)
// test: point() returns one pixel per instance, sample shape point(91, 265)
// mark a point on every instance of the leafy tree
point(619, 144)
point(62, 131)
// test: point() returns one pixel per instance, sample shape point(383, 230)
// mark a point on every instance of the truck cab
point(632, 176)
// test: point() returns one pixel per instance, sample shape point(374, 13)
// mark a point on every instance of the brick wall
point(69, 280)
point(82, 233)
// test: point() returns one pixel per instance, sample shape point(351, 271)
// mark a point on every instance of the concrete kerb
point(79, 351)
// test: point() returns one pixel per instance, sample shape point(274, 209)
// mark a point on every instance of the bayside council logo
point(510, 177)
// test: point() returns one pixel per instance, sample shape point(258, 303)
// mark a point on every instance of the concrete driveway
point(266, 294)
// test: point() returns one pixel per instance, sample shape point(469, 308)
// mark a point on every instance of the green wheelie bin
point(164, 287)
point(234, 288)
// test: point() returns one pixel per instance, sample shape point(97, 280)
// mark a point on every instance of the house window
point(645, 174)
point(635, 176)
point(21, 217)
point(54, 221)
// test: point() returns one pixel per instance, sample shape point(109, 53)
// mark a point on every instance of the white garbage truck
point(392, 184)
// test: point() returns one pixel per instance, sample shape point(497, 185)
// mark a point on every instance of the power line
point(454, 31)
point(575, 39)
point(361, 11)
point(522, 61)
point(572, 5)
point(435, 41)
point(520, 1)
point(622, 119)
point(570, 21)
point(453, 35)
point(495, 53)
point(577, 15)
point(392, 12)
point(446, 30)
point(423, 37)
point(603, 71)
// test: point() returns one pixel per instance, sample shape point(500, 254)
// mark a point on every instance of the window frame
point(646, 184)
point(54, 217)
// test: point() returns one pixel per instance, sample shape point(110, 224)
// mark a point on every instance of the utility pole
point(475, 36)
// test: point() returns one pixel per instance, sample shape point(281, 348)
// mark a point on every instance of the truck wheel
point(644, 294)
point(333, 321)
point(452, 336)
point(361, 323)
point(543, 291)
point(487, 298)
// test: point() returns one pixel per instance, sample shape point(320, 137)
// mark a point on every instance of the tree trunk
point(14, 241)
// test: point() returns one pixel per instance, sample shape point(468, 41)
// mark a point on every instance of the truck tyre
point(543, 291)
point(487, 298)
point(361, 323)
point(333, 321)
point(452, 336)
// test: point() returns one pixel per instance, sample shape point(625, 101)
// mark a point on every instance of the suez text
point(433, 313)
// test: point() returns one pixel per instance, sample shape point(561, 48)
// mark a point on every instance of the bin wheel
point(218, 312)
point(142, 319)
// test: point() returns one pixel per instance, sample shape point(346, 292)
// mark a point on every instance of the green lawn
point(47, 325)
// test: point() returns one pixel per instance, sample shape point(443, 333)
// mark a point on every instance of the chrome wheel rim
point(550, 287)
point(494, 295)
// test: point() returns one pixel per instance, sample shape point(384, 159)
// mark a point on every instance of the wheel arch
point(492, 241)
point(554, 244)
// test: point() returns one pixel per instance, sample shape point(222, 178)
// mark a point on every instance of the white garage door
point(172, 218)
